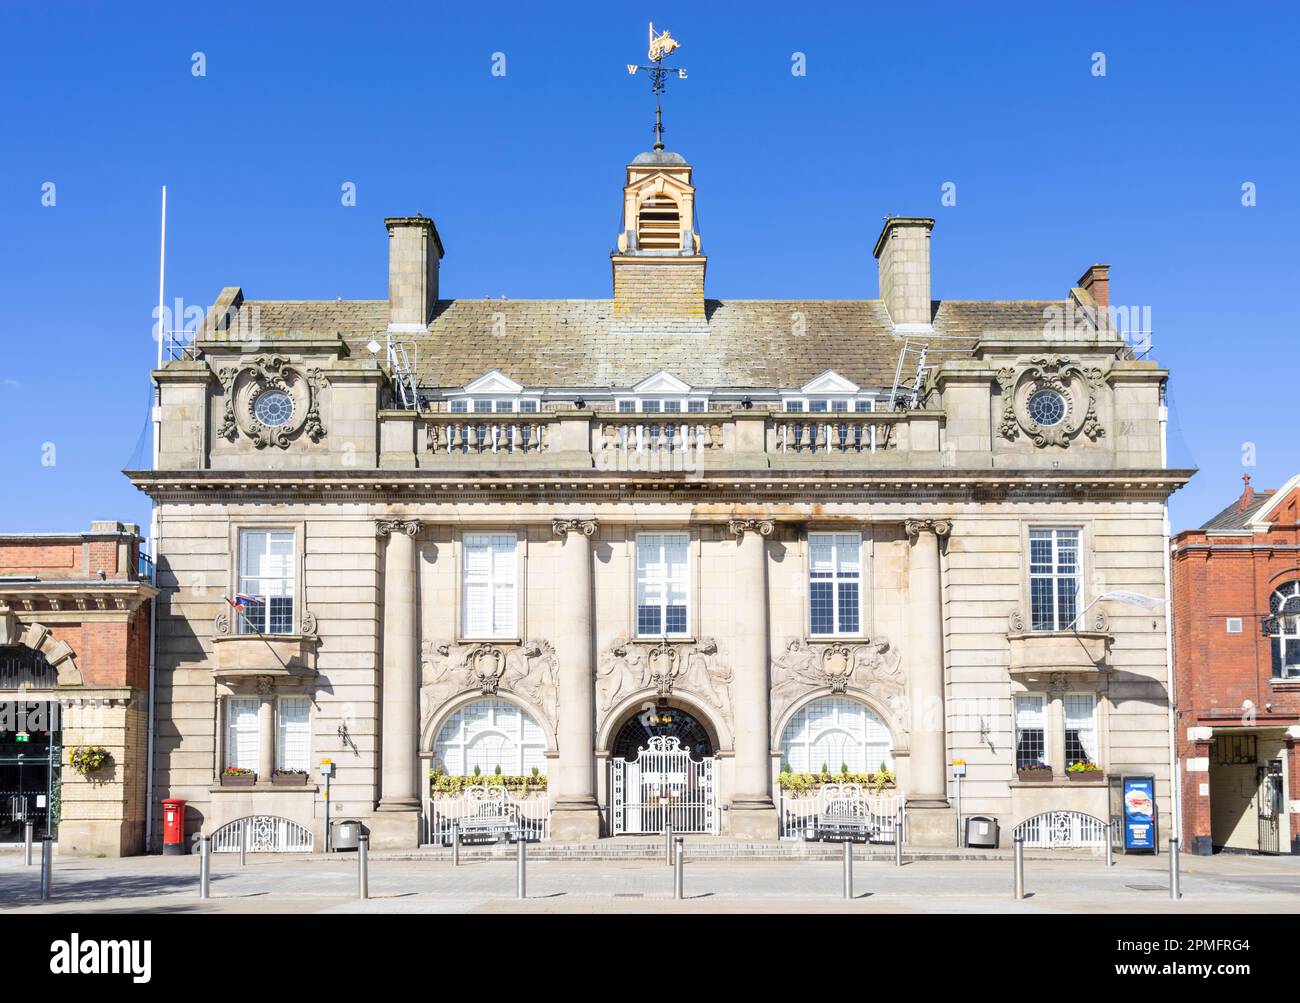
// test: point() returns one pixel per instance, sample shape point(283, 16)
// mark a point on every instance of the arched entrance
point(662, 774)
point(661, 721)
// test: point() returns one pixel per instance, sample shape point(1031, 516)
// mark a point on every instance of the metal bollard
point(1020, 868)
point(205, 867)
point(1174, 891)
point(1110, 849)
point(668, 842)
point(455, 844)
point(47, 864)
point(898, 839)
point(848, 869)
point(363, 866)
point(678, 855)
point(521, 867)
point(28, 827)
point(243, 843)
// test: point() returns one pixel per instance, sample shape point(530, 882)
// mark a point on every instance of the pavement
point(311, 883)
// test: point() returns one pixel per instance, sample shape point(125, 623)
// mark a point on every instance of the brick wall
point(1217, 577)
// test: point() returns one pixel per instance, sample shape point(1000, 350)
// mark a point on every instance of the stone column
point(265, 731)
point(931, 821)
point(574, 815)
point(753, 814)
point(399, 784)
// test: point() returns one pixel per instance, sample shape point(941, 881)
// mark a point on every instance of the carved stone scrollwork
point(939, 527)
point(1078, 387)
point(628, 667)
point(243, 385)
point(739, 527)
point(223, 624)
point(530, 671)
point(871, 667)
point(387, 527)
point(587, 527)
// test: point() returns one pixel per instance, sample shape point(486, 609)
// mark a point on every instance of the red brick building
point(74, 675)
point(1236, 586)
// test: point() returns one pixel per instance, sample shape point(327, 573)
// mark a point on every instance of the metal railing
point(1062, 829)
point(531, 816)
point(881, 813)
point(262, 834)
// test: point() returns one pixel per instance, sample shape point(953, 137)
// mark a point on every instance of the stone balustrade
point(739, 439)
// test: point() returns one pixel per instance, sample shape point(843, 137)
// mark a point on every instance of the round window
point(1047, 407)
point(273, 408)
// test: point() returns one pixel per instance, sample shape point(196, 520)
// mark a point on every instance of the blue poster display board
point(1139, 795)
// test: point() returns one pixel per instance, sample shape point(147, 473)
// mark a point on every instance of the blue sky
point(1054, 168)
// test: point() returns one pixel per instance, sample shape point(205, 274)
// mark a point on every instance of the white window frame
point(851, 539)
point(231, 752)
point(1059, 621)
point(846, 716)
point(255, 618)
point(284, 729)
point(492, 404)
point(497, 583)
point(798, 404)
point(1284, 635)
point(1094, 728)
point(503, 718)
point(1044, 725)
point(641, 585)
point(637, 404)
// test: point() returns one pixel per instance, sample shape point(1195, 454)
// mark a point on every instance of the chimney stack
point(1096, 282)
point(414, 251)
point(903, 260)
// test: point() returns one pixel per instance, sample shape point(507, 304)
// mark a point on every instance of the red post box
point(173, 826)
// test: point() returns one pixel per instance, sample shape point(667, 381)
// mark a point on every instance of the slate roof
point(1234, 517)
point(568, 343)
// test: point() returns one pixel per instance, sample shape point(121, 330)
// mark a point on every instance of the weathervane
point(661, 46)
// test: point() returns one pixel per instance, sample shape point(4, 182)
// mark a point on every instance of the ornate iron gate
point(1268, 804)
point(663, 785)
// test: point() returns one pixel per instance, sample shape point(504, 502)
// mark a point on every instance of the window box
point(1086, 776)
point(1034, 776)
point(281, 778)
point(238, 779)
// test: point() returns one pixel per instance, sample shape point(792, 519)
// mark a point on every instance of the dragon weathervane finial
point(661, 46)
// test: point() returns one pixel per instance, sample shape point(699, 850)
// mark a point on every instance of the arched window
point(1283, 626)
point(835, 732)
point(659, 224)
point(488, 734)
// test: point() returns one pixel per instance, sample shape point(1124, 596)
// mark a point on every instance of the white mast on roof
point(153, 537)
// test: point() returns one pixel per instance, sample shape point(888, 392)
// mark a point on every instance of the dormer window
point(823, 405)
point(659, 224)
point(662, 405)
point(493, 393)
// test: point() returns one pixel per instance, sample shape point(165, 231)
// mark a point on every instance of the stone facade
point(937, 502)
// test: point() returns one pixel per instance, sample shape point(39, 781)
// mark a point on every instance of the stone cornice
point(557, 487)
point(78, 600)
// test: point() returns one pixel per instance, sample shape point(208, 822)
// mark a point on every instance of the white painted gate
point(664, 784)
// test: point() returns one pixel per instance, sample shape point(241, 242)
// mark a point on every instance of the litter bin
point(347, 834)
point(982, 831)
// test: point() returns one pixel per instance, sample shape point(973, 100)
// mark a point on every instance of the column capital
point(562, 527)
point(387, 527)
point(915, 527)
point(739, 527)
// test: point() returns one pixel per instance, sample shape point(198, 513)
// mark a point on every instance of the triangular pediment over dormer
point(829, 382)
point(1283, 507)
point(662, 382)
point(493, 382)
